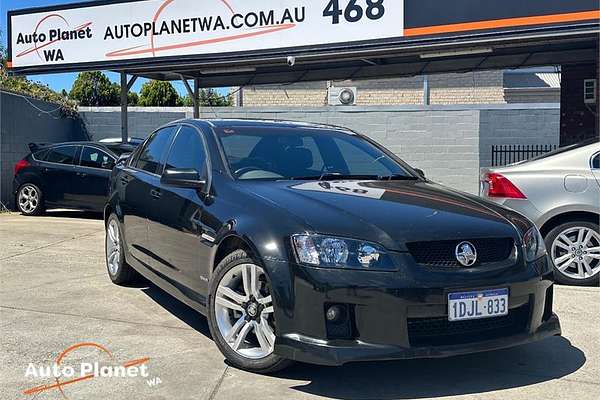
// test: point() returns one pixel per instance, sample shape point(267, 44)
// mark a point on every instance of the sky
point(63, 81)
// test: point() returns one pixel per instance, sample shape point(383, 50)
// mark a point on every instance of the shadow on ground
point(430, 378)
point(478, 373)
point(184, 313)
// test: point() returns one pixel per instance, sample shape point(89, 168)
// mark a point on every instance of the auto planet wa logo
point(68, 369)
point(43, 38)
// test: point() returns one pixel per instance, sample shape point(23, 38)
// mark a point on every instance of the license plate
point(480, 304)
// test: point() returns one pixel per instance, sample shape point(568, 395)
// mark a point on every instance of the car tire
point(30, 199)
point(119, 271)
point(567, 234)
point(262, 362)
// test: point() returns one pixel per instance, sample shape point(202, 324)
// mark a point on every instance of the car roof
point(33, 147)
point(266, 123)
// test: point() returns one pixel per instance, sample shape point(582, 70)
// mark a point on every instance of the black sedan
point(71, 175)
point(313, 243)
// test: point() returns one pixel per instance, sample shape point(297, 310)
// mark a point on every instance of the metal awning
point(408, 59)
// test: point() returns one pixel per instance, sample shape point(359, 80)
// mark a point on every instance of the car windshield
point(294, 153)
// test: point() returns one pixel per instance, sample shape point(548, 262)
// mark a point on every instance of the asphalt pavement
point(57, 305)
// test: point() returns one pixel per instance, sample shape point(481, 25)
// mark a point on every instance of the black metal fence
point(511, 153)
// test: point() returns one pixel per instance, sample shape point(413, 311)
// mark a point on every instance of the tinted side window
point(94, 158)
point(151, 157)
point(596, 162)
point(188, 151)
point(40, 155)
point(62, 155)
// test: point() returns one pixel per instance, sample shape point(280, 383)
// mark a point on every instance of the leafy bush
point(22, 85)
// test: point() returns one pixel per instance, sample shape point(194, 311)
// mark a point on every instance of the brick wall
point(450, 143)
point(22, 121)
point(484, 87)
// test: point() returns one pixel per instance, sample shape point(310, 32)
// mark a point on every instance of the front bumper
point(393, 314)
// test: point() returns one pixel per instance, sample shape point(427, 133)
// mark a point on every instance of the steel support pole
point(124, 91)
point(196, 98)
point(426, 90)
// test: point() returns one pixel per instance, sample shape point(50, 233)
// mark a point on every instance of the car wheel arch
point(570, 216)
point(32, 179)
point(229, 244)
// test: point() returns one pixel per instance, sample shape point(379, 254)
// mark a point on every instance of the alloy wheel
point(576, 252)
point(113, 247)
point(29, 199)
point(244, 311)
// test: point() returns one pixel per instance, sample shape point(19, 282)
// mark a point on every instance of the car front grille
point(443, 253)
point(441, 332)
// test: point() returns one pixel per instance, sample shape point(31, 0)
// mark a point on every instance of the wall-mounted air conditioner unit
point(342, 96)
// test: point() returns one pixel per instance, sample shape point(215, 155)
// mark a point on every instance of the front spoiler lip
point(317, 351)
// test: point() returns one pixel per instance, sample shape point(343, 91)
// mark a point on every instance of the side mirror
point(420, 172)
point(123, 158)
point(183, 177)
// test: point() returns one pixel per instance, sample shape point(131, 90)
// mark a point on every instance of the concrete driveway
point(54, 293)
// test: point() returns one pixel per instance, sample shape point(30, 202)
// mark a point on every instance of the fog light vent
point(338, 321)
point(548, 303)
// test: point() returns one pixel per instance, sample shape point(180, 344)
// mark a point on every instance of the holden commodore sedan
point(313, 243)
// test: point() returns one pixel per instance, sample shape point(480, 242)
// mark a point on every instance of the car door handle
point(155, 193)
point(82, 174)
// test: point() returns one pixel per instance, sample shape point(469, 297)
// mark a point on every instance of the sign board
point(162, 28)
point(113, 34)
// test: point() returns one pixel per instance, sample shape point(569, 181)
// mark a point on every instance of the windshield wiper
point(397, 177)
point(334, 176)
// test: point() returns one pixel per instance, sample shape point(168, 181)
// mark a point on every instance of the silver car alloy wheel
point(244, 311)
point(576, 252)
point(113, 247)
point(29, 198)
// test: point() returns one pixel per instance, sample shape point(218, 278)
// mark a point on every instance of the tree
point(22, 85)
point(132, 99)
point(158, 93)
point(208, 97)
point(93, 88)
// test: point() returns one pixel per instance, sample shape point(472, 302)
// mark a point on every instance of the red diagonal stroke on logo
point(40, 22)
point(32, 49)
point(43, 388)
point(263, 31)
point(162, 8)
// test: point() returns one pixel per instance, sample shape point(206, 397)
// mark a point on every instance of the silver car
point(560, 192)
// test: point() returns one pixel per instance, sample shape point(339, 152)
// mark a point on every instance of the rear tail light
point(20, 165)
point(500, 186)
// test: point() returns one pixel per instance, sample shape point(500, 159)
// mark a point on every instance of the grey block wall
point(450, 143)
point(105, 122)
point(536, 124)
point(25, 120)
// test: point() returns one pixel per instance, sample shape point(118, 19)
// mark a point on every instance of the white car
point(560, 192)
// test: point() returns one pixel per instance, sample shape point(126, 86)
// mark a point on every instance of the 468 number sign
point(354, 12)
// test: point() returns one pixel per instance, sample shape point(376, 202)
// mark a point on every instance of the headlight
point(334, 252)
point(534, 246)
